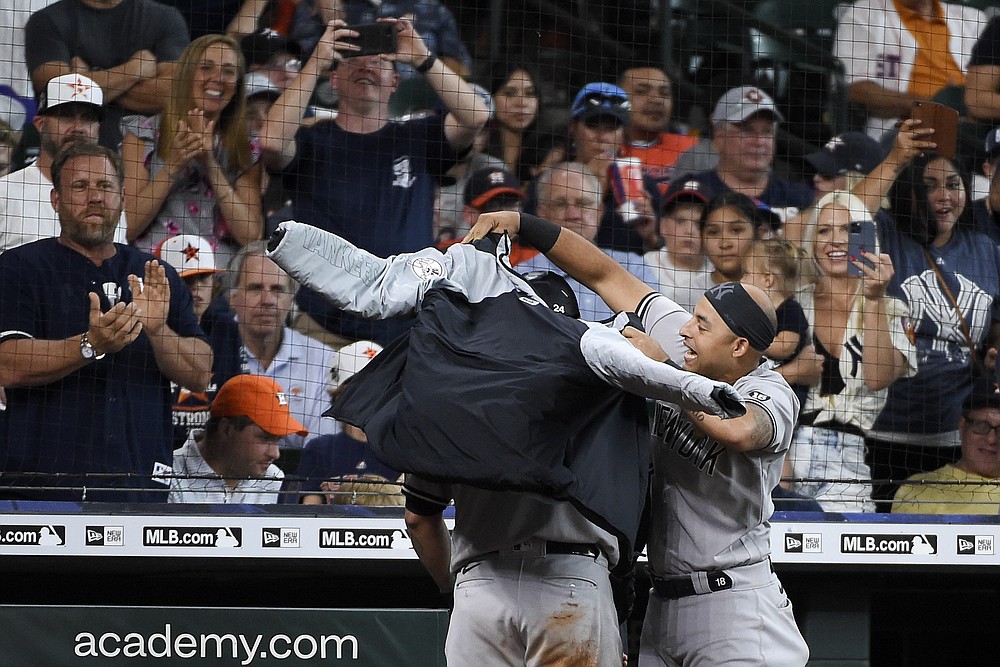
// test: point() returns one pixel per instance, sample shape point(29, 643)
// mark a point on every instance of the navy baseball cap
point(259, 47)
point(993, 143)
point(601, 99)
point(485, 184)
point(685, 190)
point(850, 151)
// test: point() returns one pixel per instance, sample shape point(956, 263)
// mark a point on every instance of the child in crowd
point(777, 267)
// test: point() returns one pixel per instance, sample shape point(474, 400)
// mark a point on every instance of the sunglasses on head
point(598, 100)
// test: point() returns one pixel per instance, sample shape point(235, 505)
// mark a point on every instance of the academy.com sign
point(109, 636)
point(185, 645)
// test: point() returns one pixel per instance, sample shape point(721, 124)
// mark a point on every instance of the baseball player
point(521, 400)
point(715, 597)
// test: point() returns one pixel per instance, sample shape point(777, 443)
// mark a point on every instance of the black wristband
point(538, 233)
point(427, 64)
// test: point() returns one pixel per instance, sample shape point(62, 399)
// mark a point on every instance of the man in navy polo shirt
point(91, 335)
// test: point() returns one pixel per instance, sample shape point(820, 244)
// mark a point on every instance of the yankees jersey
point(711, 506)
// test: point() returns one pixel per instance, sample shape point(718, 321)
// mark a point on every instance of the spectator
point(744, 124)
point(129, 50)
point(431, 19)
point(649, 135)
point(982, 81)
point(192, 169)
point(193, 259)
point(570, 196)
point(968, 486)
point(232, 459)
point(212, 17)
point(683, 273)
point(487, 190)
point(901, 51)
point(268, 53)
point(513, 130)
point(70, 112)
point(777, 268)
point(986, 209)
point(730, 223)
point(860, 331)
point(261, 296)
point(342, 469)
point(949, 275)
point(9, 140)
point(362, 175)
point(87, 371)
point(844, 161)
point(14, 15)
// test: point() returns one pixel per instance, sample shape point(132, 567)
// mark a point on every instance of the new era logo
point(975, 545)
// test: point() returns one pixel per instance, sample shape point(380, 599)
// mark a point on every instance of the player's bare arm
point(754, 430)
point(432, 543)
point(572, 253)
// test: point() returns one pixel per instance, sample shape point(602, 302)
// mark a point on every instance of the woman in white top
point(859, 332)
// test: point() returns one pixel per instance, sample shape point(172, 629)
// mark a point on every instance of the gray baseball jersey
point(711, 505)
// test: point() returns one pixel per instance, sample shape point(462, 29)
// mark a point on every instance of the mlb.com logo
point(803, 543)
point(280, 538)
point(105, 536)
point(975, 545)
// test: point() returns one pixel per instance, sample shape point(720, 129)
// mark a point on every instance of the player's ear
point(741, 347)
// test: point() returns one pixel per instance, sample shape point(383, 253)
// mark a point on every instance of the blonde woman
point(859, 331)
point(192, 169)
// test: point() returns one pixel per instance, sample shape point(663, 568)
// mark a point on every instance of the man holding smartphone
point(363, 175)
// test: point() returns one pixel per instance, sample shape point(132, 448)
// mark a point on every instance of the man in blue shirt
point(91, 335)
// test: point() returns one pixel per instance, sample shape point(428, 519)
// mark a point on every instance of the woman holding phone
point(949, 275)
point(859, 331)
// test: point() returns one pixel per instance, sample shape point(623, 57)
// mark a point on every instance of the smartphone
point(372, 38)
point(861, 236)
point(944, 120)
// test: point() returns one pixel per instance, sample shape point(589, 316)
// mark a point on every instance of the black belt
point(573, 549)
point(682, 587)
point(565, 548)
point(674, 589)
point(809, 419)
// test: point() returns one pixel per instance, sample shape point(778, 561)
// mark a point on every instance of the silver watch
point(87, 350)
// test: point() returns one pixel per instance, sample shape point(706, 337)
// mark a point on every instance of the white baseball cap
point(738, 104)
point(191, 255)
point(350, 359)
point(70, 89)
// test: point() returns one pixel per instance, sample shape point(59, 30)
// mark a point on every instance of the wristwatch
point(87, 350)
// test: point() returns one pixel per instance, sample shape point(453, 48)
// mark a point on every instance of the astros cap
point(485, 184)
point(350, 360)
point(191, 255)
point(259, 398)
point(71, 89)
point(739, 104)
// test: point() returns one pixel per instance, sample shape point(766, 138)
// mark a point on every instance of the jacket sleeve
point(613, 358)
point(359, 282)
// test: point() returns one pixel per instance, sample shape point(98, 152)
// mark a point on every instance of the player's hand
point(642, 342)
point(497, 222)
point(410, 47)
point(875, 279)
point(151, 297)
point(113, 330)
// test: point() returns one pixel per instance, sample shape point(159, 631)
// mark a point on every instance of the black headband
point(742, 314)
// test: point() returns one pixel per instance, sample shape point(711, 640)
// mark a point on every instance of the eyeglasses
point(983, 427)
point(601, 100)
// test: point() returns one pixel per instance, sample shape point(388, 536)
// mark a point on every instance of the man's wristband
point(427, 64)
point(538, 233)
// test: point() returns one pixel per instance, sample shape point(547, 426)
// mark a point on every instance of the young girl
point(777, 267)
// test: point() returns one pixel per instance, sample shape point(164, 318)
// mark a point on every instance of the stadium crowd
point(154, 348)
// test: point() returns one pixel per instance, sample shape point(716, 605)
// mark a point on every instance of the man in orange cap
point(232, 459)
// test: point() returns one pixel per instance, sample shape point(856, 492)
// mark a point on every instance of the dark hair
point(85, 148)
point(212, 425)
point(534, 145)
point(909, 204)
point(741, 203)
